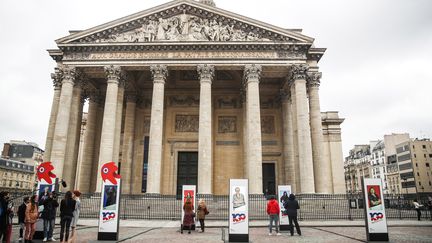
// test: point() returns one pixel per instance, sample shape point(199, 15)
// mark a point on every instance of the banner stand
point(109, 218)
point(374, 208)
point(189, 191)
point(283, 193)
point(239, 210)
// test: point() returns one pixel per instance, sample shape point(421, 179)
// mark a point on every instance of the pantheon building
point(189, 93)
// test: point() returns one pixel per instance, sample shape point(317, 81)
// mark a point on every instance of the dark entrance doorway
point(187, 170)
point(269, 178)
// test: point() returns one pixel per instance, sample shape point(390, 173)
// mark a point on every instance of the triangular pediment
point(184, 21)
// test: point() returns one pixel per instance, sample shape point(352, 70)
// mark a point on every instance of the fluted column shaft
point(119, 114)
point(205, 167)
point(128, 143)
point(251, 77)
point(54, 110)
point(298, 91)
point(88, 148)
point(159, 73)
point(245, 134)
point(71, 156)
point(109, 119)
point(322, 167)
point(62, 121)
point(288, 139)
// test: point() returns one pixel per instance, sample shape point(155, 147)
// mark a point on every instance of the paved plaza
point(312, 231)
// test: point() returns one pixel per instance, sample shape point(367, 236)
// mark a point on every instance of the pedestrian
point(417, 207)
point(273, 213)
point(10, 214)
point(430, 206)
point(50, 206)
point(67, 207)
point(31, 216)
point(188, 219)
point(3, 215)
point(202, 212)
point(291, 206)
point(21, 217)
point(76, 196)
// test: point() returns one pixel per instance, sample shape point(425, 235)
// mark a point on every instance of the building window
point(430, 155)
point(419, 183)
point(430, 184)
point(424, 146)
point(424, 155)
point(415, 156)
point(416, 165)
point(418, 174)
point(413, 147)
point(427, 165)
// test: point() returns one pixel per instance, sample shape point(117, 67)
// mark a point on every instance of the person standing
point(291, 206)
point(273, 213)
point(76, 212)
point(202, 212)
point(31, 216)
point(3, 215)
point(21, 217)
point(67, 207)
point(188, 219)
point(430, 206)
point(417, 207)
point(48, 215)
point(10, 214)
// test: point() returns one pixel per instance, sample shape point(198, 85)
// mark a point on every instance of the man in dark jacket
point(48, 215)
point(291, 207)
point(3, 215)
point(21, 216)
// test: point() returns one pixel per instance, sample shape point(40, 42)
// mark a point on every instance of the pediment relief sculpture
point(184, 27)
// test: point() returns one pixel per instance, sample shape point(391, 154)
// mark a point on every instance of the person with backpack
point(67, 207)
point(291, 206)
point(50, 205)
point(21, 217)
point(273, 213)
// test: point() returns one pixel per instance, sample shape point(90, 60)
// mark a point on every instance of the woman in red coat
point(188, 219)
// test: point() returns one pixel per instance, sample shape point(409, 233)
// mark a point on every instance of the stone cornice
point(315, 53)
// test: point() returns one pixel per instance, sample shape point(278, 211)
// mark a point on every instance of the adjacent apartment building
point(16, 176)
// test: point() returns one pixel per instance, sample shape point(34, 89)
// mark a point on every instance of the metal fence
point(313, 206)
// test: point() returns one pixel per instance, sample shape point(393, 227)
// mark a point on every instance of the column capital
point(113, 73)
point(159, 73)
point(206, 72)
point(68, 74)
point(299, 71)
point(252, 72)
point(56, 78)
point(314, 79)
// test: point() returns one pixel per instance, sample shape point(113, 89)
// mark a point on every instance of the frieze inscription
point(227, 124)
point(186, 123)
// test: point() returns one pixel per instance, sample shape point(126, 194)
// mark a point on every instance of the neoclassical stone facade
point(188, 93)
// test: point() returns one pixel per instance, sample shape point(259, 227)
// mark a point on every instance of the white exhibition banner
point(283, 193)
point(376, 221)
point(239, 207)
point(110, 199)
point(188, 193)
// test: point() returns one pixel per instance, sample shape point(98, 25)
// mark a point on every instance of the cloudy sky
point(376, 71)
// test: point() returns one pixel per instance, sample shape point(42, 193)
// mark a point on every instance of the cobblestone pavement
point(260, 234)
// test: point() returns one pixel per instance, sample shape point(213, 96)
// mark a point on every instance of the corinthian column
point(56, 77)
point(62, 121)
point(288, 139)
point(251, 78)
point(304, 144)
point(205, 171)
point(322, 167)
point(160, 73)
point(109, 119)
point(128, 143)
point(119, 115)
point(88, 147)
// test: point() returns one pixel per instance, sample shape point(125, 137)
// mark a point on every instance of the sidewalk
point(255, 223)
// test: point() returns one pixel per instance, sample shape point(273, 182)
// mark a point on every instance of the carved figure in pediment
point(173, 29)
point(196, 30)
point(162, 29)
point(149, 31)
point(184, 24)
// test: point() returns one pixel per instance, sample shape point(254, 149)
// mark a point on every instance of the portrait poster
point(110, 197)
point(109, 210)
point(188, 193)
point(239, 208)
point(283, 193)
point(375, 215)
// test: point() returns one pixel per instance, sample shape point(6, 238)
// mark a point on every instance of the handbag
point(206, 212)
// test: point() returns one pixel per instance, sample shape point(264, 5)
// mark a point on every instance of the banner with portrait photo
point(375, 215)
point(239, 210)
point(283, 193)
